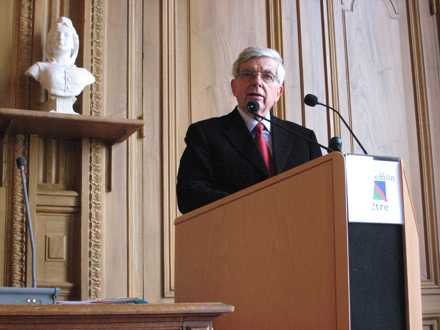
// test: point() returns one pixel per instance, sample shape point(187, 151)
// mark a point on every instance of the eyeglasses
point(248, 75)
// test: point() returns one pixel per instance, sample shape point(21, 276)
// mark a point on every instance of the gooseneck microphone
point(311, 100)
point(253, 106)
point(34, 295)
point(21, 164)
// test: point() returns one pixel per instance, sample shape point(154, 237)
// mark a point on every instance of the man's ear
point(279, 92)
point(233, 84)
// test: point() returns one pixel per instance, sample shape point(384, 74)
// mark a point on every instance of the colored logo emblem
point(380, 191)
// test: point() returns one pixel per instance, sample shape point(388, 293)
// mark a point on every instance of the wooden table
point(194, 316)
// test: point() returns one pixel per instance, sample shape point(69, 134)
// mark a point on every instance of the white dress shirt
point(251, 123)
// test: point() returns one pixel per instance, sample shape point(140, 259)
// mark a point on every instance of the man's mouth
point(255, 95)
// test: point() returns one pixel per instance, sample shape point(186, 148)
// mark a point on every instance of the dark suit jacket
point(222, 158)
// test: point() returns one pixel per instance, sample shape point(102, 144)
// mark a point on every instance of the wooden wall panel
point(114, 220)
point(218, 32)
point(381, 107)
point(122, 258)
point(429, 59)
point(346, 54)
point(386, 102)
point(202, 40)
point(312, 66)
point(170, 62)
point(154, 96)
point(6, 40)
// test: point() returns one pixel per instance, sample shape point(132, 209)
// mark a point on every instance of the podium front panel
point(276, 251)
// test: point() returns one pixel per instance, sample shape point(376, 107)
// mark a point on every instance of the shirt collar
point(251, 122)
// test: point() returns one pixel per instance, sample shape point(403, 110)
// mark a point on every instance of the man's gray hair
point(252, 52)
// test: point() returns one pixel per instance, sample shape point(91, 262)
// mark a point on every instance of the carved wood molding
point(332, 86)
point(95, 239)
point(391, 5)
point(431, 321)
point(96, 147)
point(433, 6)
point(425, 159)
point(97, 51)
point(18, 255)
point(275, 41)
point(169, 141)
point(24, 55)
point(21, 100)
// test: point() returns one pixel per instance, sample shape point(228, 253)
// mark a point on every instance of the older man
point(223, 155)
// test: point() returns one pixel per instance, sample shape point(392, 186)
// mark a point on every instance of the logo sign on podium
point(373, 189)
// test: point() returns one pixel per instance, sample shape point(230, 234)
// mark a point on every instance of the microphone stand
point(293, 132)
point(34, 295)
point(31, 232)
point(346, 125)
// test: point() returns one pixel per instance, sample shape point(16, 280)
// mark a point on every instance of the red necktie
point(259, 139)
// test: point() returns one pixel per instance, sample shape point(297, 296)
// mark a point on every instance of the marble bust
point(59, 75)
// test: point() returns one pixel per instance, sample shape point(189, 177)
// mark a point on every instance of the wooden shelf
point(65, 126)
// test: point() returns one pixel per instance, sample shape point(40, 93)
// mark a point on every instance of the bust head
point(61, 39)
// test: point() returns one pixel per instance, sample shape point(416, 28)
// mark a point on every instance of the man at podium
point(226, 154)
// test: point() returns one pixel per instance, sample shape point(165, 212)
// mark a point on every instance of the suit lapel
point(282, 142)
point(238, 134)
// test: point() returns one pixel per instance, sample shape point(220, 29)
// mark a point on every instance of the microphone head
point(335, 144)
point(21, 163)
point(253, 106)
point(311, 100)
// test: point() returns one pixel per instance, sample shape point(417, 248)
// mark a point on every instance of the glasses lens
point(250, 75)
point(267, 77)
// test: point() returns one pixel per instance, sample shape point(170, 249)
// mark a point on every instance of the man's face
point(265, 93)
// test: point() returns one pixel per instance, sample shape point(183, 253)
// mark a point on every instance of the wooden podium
point(278, 251)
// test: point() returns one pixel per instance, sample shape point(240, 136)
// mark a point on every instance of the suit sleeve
point(195, 179)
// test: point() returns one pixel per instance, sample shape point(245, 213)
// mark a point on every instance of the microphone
point(21, 164)
point(335, 143)
point(34, 295)
point(311, 100)
point(253, 106)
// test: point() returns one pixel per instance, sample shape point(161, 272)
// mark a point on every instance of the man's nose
point(257, 79)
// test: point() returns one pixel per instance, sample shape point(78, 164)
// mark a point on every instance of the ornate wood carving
point(96, 172)
point(18, 266)
point(18, 225)
point(95, 239)
point(24, 52)
point(97, 51)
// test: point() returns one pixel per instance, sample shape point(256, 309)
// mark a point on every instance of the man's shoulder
point(217, 121)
